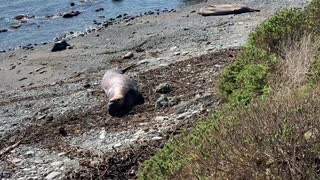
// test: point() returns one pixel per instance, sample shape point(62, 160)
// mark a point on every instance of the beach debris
point(128, 55)
point(59, 46)
point(225, 9)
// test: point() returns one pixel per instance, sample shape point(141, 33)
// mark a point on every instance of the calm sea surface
point(41, 29)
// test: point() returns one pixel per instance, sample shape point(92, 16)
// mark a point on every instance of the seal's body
point(122, 92)
point(225, 9)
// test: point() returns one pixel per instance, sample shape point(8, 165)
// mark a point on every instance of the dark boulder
point(99, 9)
point(3, 30)
point(71, 14)
point(59, 46)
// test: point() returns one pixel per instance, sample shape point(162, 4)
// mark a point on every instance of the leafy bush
point(287, 24)
point(247, 77)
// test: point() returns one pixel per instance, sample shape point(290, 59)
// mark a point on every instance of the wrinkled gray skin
point(122, 92)
point(225, 9)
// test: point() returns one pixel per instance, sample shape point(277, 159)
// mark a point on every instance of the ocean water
point(41, 29)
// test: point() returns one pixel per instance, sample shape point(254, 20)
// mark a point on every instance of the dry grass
point(298, 58)
point(273, 139)
point(276, 139)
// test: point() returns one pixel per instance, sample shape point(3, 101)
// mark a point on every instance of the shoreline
point(45, 93)
point(95, 26)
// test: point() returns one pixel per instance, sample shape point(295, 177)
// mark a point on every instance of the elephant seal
point(122, 92)
point(225, 9)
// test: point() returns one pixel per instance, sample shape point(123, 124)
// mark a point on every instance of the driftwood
point(225, 9)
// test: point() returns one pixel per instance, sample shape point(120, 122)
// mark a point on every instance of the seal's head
point(116, 105)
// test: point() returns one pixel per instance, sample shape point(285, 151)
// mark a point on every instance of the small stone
point(59, 46)
point(163, 88)
point(19, 17)
point(177, 53)
point(16, 160)
point(29, 153)
point(53, 175)
point(56, 163)
point(128, 55)
point(99, 9)
point(161, 118)
point(72, 4)
point(24, 78)
point(162, 102)
point(117, 145)
point(184, 53)
point(3, 30)
point(16, 26)
point(62, 154)
point(173, 48)
point(156, 138)
point(102, 134)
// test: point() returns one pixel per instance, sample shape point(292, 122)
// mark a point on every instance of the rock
point(16, 26)
point(19, 17)
point(311, 134)
point(177, 53)
point(163, 88)
point(161, 118)
point(184, 53)
point(128, 55)
point(3, 30)
point(162, 102)
point(59, 46)
point(71, 14)
point(62, 154)
point(184, 115)
point(139, 49)
point(156, 138)
point(102, 134)
point(99, 9)
point(193, 11)
point(16, 160)
point(72, 4)
point(24, 78)
point(56, 163)
point(117, 145)
point(29, 153)
point(119, 16)
point(173, 48)
point(52, 175)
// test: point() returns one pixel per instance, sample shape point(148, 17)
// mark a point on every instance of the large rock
point(71, 14)
point(163, 88)
point(59, 46)
point(3, 30)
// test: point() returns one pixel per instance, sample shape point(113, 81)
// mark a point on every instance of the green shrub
point(247, 77)
point(287, 24)
point(313, 16)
